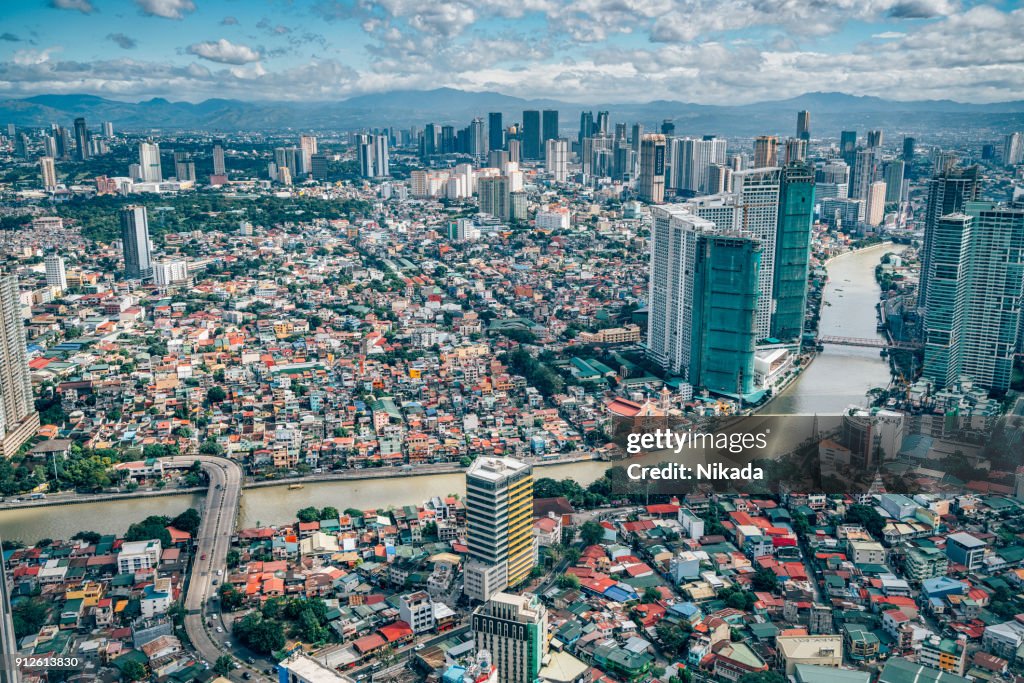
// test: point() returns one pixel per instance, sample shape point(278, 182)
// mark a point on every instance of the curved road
point(212, 542)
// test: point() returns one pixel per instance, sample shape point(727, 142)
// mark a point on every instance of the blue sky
point(705, 51)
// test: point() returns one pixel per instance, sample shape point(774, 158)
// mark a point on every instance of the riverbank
point(345, 475)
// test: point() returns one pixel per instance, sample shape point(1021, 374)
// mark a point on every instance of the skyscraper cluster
point(972, 283)
point(372, 155)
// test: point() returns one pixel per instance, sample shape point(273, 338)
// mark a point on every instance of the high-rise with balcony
point(513, 629)
point(149, 163)
point(766, 151)
point(18, 417)
point(948, 192)
point(556, 159)
point(56, 275)
point(48, 172)
point(499, 522)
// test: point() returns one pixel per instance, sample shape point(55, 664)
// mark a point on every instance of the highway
point(8, 645)
point(212, 543)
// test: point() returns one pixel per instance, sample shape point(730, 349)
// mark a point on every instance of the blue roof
point(942, 585)
point(621, 593)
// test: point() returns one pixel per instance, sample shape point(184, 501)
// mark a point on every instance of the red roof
point(369, 643)
point(397, 630)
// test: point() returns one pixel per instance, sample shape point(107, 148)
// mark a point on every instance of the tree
point(568, 581)
point(230, 598)
point(867, 517)
point(211, 447)
point(90, 537)
point(233, 558)
point(224, 665)
point(29, 615)
point(329, 513)
point(765, 580)
point(673, 637)
point(308, 514)
point(591, 532)
point(187, 521)
point(134, 671)
point(152, 527)
point(215, 395)
point(262, 635)
point(651, 594)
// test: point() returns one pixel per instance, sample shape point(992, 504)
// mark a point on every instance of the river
point(839, 376)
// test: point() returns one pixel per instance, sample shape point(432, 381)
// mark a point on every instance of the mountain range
point(830, 111)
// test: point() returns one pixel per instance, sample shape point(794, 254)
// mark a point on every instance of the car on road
point(203, 556)
point(420, 647)
point(246, 675)
point(215, 582)
point(220, 629)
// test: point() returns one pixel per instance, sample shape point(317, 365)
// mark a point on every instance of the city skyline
point(193, 50)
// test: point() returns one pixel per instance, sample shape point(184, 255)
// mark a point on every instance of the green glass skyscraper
point(792, 251)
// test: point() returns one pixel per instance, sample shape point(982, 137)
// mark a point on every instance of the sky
point(587, 51)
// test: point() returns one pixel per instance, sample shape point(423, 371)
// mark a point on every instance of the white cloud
point(83, 6)
point(889, 35)
point(224, 51)
point(168, 9)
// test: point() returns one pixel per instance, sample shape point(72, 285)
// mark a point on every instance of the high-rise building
point(874, 138)
point(286, 157)
point(601, 123)
point(138, 263)
point(703, 299)
point(848, 147)
point(219, 168)
point(56, 275)
point(184, 167)
point(48, 173)
point(81, 139)
point(909, 149)
point(796, 150)
point(495, 131)
point(1013, 149)
point(792, 251)
point(318, 168)
point(757, 197)
point(532, 135)
point(691, 163)
point(948, 192)
point(149, 163)
point(513, 629)
point(494, 194)
point(972, 313)
point(307, 148)
point(894, 180)
point(766, 151)
point(499, 526)
point(428, 142)
point(550, 124)
point(875, 203)
point(586, 126)
point(865, 172)
point(719, 179)
point(803, 125)
point(556, 159)
point(373, 156)
point(18, 417)
point(651, 183)
point(668, 128)
point(170, 271)
point(108, 130)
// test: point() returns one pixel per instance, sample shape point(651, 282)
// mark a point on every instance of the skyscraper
point(651, 183)
point(18, 418)
point(513, 629)
point(108, 130)
point(219, 168)
point(477, 138)
point(550, 124)
point(1013, 149)
point(874, 207)
point(556, 159)
point(766, 152)
point(972, 311)
point(184, 167)
point(81, 139)
point(495, 131)
point(601, 123)
point(499, 526)
point(532, 134)
point(908, 149)
point(894, 180)
point(865, 172)
point(757, 197)
point(149, 163)
point(48, 173)
point(792, 251)
point(494, 196)
point(135, 243)
point(668, 128)
point(874, 138)
point(373, 156)
point(796, 150)
point(286, 157)
point(703, 299)
point(56, 275)
point(803, 125)
point(428, 143)
point(307, 148)
point(848, 147)
point(586, 126)
point(948, 192)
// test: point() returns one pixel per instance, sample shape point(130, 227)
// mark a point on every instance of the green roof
point(898, 670)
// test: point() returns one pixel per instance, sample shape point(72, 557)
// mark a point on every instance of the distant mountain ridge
point(458, 107)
